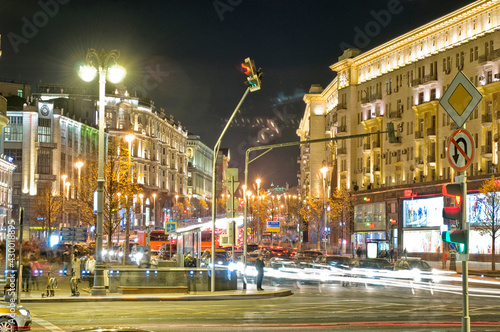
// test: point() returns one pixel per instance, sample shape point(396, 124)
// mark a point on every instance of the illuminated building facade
point(58, 127)
point(401, 82)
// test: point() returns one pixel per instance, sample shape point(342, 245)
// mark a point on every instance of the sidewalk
point(63, 294)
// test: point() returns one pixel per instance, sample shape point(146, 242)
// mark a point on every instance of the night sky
point(186, 55)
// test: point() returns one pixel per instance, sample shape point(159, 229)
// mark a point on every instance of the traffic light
point(253, 76)
point(455, 190)
point(390, 132)
point(460, 237)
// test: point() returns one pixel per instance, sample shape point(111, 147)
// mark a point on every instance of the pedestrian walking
point(75, 268)
point(391, 254)
point(90, 268)
point(66, 259)
point(205, 259)
point(358, 252)
point(259, 266)
point(26, 275)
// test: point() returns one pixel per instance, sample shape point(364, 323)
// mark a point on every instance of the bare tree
point(48, 209)
point(486, 212)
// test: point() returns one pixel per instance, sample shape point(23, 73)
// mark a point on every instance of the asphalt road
point(311, 308)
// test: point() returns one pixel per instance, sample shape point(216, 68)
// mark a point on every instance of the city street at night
point(236, 165)
point(311, 308)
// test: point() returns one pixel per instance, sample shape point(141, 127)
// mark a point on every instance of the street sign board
point(453, 246)
point(273, 226)
point(76, 234)
point(460, 99)
point(460, 150)
point(325, 232)
point(170, 227)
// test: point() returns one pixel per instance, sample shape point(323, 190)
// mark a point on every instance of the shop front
point(422, 226)
point(369, 226)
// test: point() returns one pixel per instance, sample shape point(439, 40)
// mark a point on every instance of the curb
point(184, 297)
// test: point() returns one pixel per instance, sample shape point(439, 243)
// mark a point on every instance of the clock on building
point(44, 110)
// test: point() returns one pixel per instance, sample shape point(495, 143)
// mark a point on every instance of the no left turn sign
point(460, 150)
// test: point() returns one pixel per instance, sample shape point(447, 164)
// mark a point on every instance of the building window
point(44, 161)
point(44, 130)
point(17, 158)
point(20, 93)
point(71, 130)
point(14, 130)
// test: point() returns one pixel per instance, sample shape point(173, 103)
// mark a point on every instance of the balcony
point(419, 135)
point(341, 151)
point(432, 160)
point(342, 107)
point(45, 145)
point(486, 120)
point(428, 79)
point(395, 115)
point(498, 116)
point(376, 97)
point(487, 151)
point(486, 59)
point(367, 170)
point(431, 132)
point(45, 177)
point(376, 169)
point(376, 145)
point(366, 147)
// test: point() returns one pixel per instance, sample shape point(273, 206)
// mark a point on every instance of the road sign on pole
point(460, 99)
point(170, 227)
point(460, 150)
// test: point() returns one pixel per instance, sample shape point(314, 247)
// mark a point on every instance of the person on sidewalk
point(26, 275)
point(145, 261)
point(66, 259)
point(259, 266)
point(90, 268)
point(75, 268)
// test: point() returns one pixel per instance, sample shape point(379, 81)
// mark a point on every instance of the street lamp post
point(115, 75)
point(154, 210)
point(64, 177)
point(323, 171)
point(129, 138)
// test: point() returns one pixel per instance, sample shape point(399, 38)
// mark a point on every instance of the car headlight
point(24, 312)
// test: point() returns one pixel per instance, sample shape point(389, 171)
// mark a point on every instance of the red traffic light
point(454, 190)
point(248, 69)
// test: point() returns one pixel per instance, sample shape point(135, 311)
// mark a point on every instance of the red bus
point(156, 239)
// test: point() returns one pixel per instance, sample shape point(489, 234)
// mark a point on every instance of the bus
point(157, 238)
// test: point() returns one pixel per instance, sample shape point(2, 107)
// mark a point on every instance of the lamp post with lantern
point(99, 62)
point(323, 171)
point(129, 139)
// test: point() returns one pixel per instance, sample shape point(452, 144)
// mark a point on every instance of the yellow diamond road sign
point(460, 99)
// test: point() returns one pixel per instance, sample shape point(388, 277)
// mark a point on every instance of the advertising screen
point(425, 212)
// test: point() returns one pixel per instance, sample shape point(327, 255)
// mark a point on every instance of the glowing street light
point(99, 62)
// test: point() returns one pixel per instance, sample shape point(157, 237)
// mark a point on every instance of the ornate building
point(58, 127)
point(401, 82)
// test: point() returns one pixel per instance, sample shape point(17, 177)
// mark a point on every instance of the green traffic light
point(460, 237)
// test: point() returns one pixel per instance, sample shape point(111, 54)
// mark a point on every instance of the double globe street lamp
point(100, 61)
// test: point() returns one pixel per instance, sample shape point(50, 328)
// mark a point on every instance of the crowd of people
point(39, 263)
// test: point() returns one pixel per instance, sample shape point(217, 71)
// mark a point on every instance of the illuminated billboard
point(425, 212)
